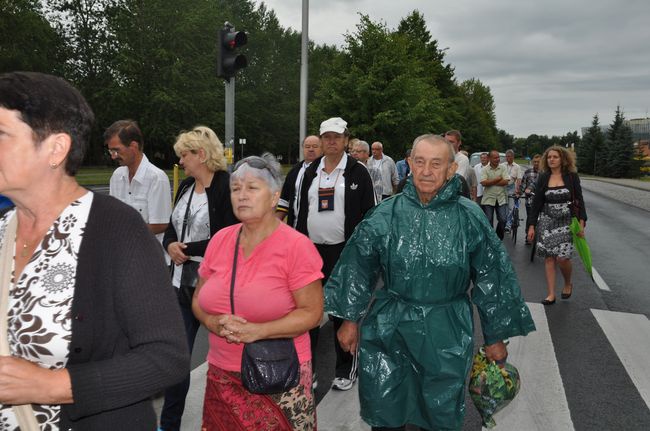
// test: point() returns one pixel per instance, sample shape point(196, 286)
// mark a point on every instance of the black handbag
point(267, 366)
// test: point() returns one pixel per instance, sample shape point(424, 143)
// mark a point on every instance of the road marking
point(629, 335)
point(599, 280)
point(541, 403)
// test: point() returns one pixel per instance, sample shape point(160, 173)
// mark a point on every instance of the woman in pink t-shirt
point(277, 294)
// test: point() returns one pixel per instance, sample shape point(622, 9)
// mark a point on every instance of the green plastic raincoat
point(416, 341)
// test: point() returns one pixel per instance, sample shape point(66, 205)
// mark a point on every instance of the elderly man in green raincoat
point(416, 338)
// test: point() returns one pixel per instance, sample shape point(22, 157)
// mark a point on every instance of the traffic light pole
point(230, 119)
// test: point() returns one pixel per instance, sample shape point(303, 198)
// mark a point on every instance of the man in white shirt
point(477, 169)
point(386, 166)
point(456, 140)
point(361, 152)
point(137, 182)
point(516, 174)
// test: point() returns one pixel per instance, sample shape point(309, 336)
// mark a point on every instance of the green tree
point(27, 40)
point(620, 149)
point(506, 140)
point(476, 107)
point(590, 150)
point(382, 87)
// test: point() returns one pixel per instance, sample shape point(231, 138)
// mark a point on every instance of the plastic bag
point(492, 387)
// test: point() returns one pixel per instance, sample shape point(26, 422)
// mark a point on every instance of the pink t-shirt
point(285, 261)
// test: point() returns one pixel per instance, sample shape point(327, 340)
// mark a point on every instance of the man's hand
point(348, 336)
point(496, 352)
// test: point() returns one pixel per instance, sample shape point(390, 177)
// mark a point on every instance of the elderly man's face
point(430, 167)
point(360, 153)
point(377, 150)
point(510, 158)
point(312, 149)
point(484, 159)
point(333, 143)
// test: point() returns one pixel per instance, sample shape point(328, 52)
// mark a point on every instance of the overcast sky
point(551, 65)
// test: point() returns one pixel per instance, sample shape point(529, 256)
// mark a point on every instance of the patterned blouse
point(40, 303)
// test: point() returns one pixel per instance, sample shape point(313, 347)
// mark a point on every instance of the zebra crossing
point(542, 401)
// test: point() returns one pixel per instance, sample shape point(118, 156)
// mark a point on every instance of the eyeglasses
point(112, 151)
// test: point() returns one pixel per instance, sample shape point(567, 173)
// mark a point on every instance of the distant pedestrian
point(477, 170)
point(386, 166)
point(137, 182)
point(558, 197)
point(290, 196)
point(528, 183)
point(494, 179)
point(455, 138)
point(361, 152)
point(515, 172)
point(472, 180)
point(402, 166)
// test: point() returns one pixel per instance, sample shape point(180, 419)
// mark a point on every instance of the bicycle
point(513, 218)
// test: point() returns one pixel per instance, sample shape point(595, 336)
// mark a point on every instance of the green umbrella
point(580, 243)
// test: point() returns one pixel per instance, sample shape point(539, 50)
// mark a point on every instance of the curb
point(604, 180)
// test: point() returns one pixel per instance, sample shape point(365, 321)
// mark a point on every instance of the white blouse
point(40, 302)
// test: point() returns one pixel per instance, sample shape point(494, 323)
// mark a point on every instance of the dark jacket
point(219, 207)
point(572, 182)
point(128, 341)
point(288, 193)
point(359, 195)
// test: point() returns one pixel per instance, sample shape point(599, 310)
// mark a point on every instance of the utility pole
point(304, 70)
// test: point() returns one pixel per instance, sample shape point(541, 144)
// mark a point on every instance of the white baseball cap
point(335, 124)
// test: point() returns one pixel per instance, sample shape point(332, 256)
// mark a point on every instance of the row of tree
point(154, 61)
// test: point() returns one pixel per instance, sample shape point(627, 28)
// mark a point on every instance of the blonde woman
point(558, 198)
point(202, 207)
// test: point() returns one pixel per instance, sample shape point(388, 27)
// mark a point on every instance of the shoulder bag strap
point(24, 413)
point(187, 213)
point(185, 218)
point(234, 272)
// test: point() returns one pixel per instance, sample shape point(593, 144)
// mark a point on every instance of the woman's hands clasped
point(235, 329)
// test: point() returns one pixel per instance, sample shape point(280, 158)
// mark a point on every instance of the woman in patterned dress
point(558, 198)
point(89, 324)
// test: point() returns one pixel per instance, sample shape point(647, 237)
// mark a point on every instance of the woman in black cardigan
point(201, 208)
point(558, 198)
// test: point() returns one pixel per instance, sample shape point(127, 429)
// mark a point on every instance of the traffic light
point(229, 61)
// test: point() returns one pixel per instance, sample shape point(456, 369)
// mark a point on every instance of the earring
point(53, 165)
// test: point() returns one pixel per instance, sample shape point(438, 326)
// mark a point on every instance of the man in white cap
point(335, 195)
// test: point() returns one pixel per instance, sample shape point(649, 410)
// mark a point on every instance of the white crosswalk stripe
point(629, 334)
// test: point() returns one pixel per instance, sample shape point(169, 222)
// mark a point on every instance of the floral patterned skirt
point(228, 406)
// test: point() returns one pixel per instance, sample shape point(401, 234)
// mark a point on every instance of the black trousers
point(174, 405)
point(345, 362)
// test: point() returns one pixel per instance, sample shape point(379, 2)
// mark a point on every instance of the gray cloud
point(551, 65)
